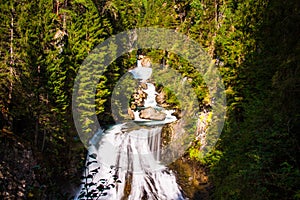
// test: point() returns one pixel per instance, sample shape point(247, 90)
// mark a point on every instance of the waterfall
point(136, 154)
point(151, 93)
point(131, 153)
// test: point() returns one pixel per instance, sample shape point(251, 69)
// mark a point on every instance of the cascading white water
point(141, 72)
point(134, 151)
point(136, 154)
point(151, 102)
point(151, 93)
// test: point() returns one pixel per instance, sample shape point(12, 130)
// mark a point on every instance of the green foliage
point(131, 14)
point(259, 145)
point(253, 44)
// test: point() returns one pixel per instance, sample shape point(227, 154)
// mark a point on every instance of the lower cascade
point(124, 161)
point(132, 156)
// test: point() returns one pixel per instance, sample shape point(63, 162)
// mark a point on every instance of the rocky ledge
point(137, 103)
point(152, 114)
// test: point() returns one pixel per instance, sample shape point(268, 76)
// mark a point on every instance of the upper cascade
point(143, 70)
point(145, 108)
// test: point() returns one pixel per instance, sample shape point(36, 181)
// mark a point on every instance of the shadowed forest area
point(253, 43)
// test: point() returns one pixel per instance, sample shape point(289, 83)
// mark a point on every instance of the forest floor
point(26, 173)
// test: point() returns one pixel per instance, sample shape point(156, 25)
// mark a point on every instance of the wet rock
point(140, 93)
point(178, 114)
point(161, 98)
point(130, 113)
point(144, 86)
point(138, 97)
point(152, 114)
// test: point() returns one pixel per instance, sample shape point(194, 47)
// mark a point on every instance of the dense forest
point(254, 44)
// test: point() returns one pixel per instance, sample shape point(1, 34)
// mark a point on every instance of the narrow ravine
point(124, 162)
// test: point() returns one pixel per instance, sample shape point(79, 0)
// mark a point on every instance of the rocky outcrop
point(202, 124)
point(138, 97)
point(178, 114)
point(152, 114)
point(192, 178)
point(161, 98)
point(167, 134)
point(190, 174)
point(26, 173)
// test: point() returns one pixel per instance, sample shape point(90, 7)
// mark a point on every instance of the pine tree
point(8, 60)
point(6, 78)
point(86, 30)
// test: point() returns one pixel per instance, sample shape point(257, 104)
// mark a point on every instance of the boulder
point(161, 98)
point(152, 114)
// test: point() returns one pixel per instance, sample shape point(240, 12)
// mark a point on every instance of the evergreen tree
point(6, 77)
point(260, 163)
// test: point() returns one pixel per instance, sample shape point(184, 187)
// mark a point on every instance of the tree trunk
point(11, 58)
point(11, 70)
point(36, 133)
point(217, 26)
point(44, 140)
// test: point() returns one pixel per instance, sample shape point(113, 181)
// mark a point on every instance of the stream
point(124, 161)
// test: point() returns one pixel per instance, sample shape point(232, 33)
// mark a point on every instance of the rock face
point(161, 98)
point(192, 177)
point(138, 97)
point(167, 134)
point(152, 114)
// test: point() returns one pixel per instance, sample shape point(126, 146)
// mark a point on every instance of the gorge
point(130, 153)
